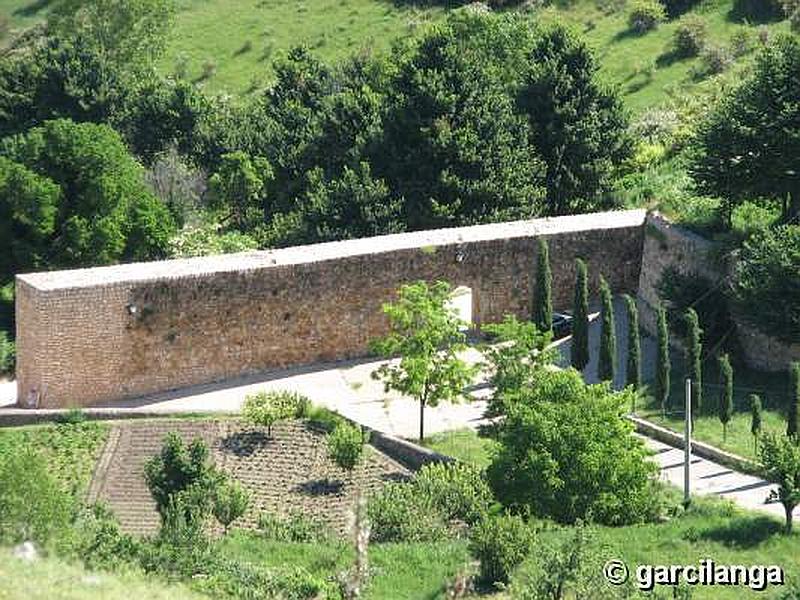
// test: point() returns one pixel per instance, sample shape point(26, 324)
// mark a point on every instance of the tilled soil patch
point(289, 470)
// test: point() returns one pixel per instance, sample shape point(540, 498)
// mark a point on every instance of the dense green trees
point(580, 315)
point(73, 196)
point(543, 294)
point(567, 452)
point(607, 360)
point(633, 372)
point(748, 145)
point(694, 349)
point(793, 401)
point(663, 362)
point(578, 126)
point(725, 407)
point(766, 283)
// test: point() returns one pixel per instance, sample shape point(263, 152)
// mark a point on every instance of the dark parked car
point(562, 325)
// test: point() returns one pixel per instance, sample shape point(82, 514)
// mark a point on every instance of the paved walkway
point(711, 479)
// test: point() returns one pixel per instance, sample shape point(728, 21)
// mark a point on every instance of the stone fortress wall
point(103, 334)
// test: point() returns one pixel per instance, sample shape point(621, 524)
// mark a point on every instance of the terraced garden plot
point(288, 471)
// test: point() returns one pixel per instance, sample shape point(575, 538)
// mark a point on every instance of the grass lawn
point(234, 41)
point(413, 570)
point(53, 579)
point(463, 444)
point(771, 387)
point(711, 529)
point(70, 450)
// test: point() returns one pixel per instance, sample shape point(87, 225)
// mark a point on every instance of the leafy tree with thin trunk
point(726, 394)
point(694, 349)
point(425, 333)
point(780, 456)
point(794, 399)
point(755, 418)
point(346, 448)
point(580, 318)
point(663, 364)
point(606, 366)
point(543, 300)
point(230, 502)
point(633, 373)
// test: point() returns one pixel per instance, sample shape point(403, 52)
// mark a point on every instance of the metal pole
point(687, 445)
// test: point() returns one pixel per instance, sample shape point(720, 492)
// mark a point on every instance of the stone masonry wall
point(109, 333)
point(668, 246)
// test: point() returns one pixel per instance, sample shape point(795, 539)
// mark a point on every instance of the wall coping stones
point(246, 261)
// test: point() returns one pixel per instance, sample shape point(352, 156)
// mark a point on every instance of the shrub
point(182, 477)
point(566, 452)
point(101, 544)
point(267, 408)
point(766, 282)
point(690, 37)
point(714, 60)
point(32, 504)
point(230, 503)
point(741, 42)
point(645, 15)
point(346, 446)
point(398, 514)
point(295, 527)
point(7, 354)
point(500, 543)
point(459, 491)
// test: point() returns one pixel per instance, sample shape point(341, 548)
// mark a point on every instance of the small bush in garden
point(296, 527)
point(741, 42)
point(713, 60)
point(459, 491)
point(346, 446)
point(267, 408)
point(690, 37)
point(7, 354)
point(32, 504)
point(398, 514)
point(645, 15)
point(182, 477)
point(230, 502)
point(100, 543)
point(500, 543)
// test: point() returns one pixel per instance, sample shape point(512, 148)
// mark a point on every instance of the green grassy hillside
point(227, 45)
point(53, 579)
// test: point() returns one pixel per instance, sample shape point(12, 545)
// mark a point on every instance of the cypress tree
point(694, 349)
point(580, 318)
point(606, 366)
point(543, 301)
point(633, 373)
point(794, 399)
point(663, 365)
point(726, 394)
point(755, 418)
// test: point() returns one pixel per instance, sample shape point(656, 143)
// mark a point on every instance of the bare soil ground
point(289, 470)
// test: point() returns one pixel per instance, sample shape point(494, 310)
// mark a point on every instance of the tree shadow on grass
point(744, 532)
point(246, 443)
point(755, 12)
point(32, 9)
